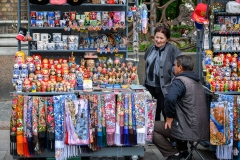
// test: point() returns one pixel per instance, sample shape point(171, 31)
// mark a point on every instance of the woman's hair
point(164, 30)
point(186, 62)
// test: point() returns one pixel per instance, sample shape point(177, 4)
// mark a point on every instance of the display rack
point(104, 152)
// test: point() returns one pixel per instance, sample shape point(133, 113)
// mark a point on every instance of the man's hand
point(168, 123)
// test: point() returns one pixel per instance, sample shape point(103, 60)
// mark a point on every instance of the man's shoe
point(175, 157)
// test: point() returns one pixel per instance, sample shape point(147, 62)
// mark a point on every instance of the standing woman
point(159, 59)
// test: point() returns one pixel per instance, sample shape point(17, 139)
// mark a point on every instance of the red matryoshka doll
point(58, 67)
point(45, 63)
point(38, 68)
point(60, 60)
point(45, 73)
point(59, 76)
point(51, 61)
point(53, 76)
point(72, 79)
point(37, 59)
point(44, 86)
point(29, 59)
point(55, 62)
point(65, 74)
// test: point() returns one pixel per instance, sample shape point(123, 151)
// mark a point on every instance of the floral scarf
point(119, 120)
point(35, 124)
point(140, 117)
point(130, 120)
point(151, 109)
point(19, 124)
point(99, 128)
point(110, 102)
point(50, 124)
point(25, 144)
point(42, 127)
point(126, 120)
point(104, 132)
point(29, 130)
point(59, 135)
point(134, 120)
point(13, 126)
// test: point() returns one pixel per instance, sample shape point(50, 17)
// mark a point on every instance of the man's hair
point(186, 62)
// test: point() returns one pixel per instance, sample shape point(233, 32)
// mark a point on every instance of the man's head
point(183, 63)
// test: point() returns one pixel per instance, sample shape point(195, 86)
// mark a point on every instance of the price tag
point(87, 85)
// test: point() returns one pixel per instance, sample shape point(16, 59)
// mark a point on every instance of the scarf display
point(151, 109)
point(69, 126)
point(25, 144)
point(140, 117)
point(29, 130)
point(42, 126)
point(50, 124)
point(13, 126)
point(104, 132)
point(134, 125)
point(235, 118)
point(99, 128)
point(109, 100)
point(126, 120)
point(19, 124)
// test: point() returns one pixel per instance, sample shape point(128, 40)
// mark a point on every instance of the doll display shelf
point(87, 4)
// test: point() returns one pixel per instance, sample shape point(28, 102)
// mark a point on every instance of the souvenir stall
point(76, 92)
point(221, 58)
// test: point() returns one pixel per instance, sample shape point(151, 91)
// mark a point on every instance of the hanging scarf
point(140, 117)
point(93, 115)
point(29, 130)
point(13, 125)
point(238, 106)
point(122, 119)
point(151, 109)
point(25, 144)
point(134, 120)
point(130, 127)
point(50, 124)
point(59, 118)
point(19, 135)
point(110, 108)
point(104, 131)
point(35, 124)
point(42, 123)
point(117, 139)
point(126, 120)
point(235, 119)
point(99, 129)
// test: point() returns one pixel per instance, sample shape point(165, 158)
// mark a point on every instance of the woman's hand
point(168, 123)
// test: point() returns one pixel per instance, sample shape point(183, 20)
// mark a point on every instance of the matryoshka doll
point(27, 86)
point(29, 59)
point(37, 59)
point(45, 63)
point(59, 76)
point(38, 68)
point(45, 73)
point(20, 57)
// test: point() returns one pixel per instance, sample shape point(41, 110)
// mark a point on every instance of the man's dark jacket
point(186, 103)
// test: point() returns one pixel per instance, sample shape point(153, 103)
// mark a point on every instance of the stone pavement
point(151, 152)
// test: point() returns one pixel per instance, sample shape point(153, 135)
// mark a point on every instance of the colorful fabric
point(117, 139)
point(29, 130)
point(134, 120)
point(235, 118)
point(151, 110)
point(110, 102)
point(25, 143)
point(130, 120)
point(13, 125)
point(238, 104)
point(42, 127)
point(140, 117)
point(122, 119)
point(59, 135)
point(99, 128)
point(94, 123)
point(35, 124)
point(104, 130)
point(19, 124)
point(50, 124)
point(126, 120)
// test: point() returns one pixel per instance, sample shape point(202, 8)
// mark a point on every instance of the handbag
point(75, 2)
point(39, 2)
point(58, 2)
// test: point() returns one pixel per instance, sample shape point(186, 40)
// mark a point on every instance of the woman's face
point(160, 39)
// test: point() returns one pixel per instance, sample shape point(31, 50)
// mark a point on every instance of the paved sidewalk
point(151, 152)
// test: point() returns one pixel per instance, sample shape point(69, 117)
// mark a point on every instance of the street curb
point(4, 125)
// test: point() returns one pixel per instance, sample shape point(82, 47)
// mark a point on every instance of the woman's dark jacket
point(165, 64)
